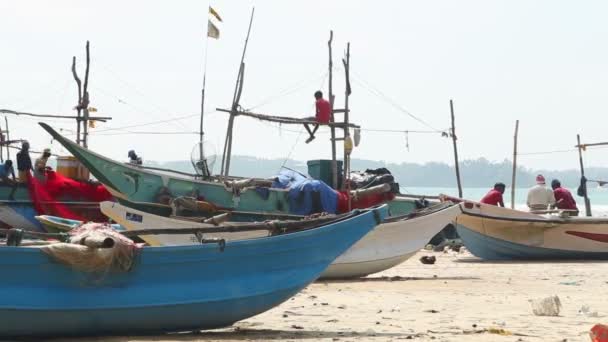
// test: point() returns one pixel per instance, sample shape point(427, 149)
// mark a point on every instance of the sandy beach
point(459, 298)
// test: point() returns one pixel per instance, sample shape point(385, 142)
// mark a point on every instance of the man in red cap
point(539, 196)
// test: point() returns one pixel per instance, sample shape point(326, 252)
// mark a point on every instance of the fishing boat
point(54, 224)
point(171, 288)
point(496, 233)
point(144, 185)
point(389, 244)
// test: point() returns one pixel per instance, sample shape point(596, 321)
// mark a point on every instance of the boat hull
point(503, 234)
point(388, 245)
point(143, 185)
point(170, 288)
point(491, 248)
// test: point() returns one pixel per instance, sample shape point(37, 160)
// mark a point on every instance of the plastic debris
point(549, 306)
point(585, 310)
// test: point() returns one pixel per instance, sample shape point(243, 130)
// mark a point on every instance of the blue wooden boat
point(496, 233)
point(178, 288)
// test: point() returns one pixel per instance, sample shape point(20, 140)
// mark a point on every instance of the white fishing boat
point(389, 244)
point(497, 233)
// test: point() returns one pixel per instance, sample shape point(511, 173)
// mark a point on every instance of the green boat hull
point(143, 185)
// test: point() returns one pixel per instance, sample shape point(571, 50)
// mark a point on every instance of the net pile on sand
point(95, 247)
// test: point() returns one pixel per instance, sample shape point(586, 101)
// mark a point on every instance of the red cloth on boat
point(47, 195)
point(362, 203)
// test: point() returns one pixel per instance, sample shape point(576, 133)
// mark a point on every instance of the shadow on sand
point(391, 279)
point(475, 260)
point(246, 334)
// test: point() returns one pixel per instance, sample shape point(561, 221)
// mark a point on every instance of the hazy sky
point(542, 62)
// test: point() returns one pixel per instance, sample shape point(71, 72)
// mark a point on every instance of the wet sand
point(459, 298)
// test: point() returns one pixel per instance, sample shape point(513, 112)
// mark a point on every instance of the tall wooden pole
point(8, 138)
point(514, 164)
point(331, 97)
point(456, 165)
point(348, 144)
point(580, 159)
point(235, 104)
point(85, 102)
point(79, 106)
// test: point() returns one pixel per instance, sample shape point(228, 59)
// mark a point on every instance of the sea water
point(597, 195)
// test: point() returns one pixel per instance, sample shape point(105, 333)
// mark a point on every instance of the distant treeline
point(475, 173)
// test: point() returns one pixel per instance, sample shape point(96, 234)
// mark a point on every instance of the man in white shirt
point(540, 196)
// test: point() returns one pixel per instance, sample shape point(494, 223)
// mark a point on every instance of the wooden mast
point(348, 143)
point(85, 102)
point(514, 164)
point(583, 183)
point(235, 104)
point(331, 97)
point(456, 165)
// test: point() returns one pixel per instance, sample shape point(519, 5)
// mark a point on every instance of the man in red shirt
point(563, 198)
point(494, 196)
point(322, 116)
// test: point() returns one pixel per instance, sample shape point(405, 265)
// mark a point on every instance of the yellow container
point(70, 167)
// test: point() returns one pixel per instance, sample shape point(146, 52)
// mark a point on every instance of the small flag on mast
point(212, 30)
point(215, 14)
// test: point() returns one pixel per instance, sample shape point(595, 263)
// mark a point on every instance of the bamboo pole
point(347, 140)
point(8, 138)
point(334, 162)
point(514, 164)
point(456, 165)
point(53, 116)
point(225, 170)
point(580, 159)
point(85, 102)
point(79, 106)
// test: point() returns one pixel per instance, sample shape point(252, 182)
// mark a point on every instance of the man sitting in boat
point(322, 116)
point(494, 196)
point(563, 198)
point(7, 170)
point(539, 196)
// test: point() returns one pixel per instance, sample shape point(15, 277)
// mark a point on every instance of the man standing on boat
point(563, 198)
point(24, 162)
point(494, 196)
point(322, 116)
point(539, 196)
point(40, 164)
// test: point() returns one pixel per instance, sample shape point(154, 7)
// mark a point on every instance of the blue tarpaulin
point(306, 196)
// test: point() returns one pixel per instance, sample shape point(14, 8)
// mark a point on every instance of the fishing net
point(47, 194)
point(86, 251)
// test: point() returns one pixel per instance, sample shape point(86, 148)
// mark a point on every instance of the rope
point(287, 91)
point(373, 90)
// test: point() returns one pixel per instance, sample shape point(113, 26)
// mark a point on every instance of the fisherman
point(24, 162)
point(40, 164)
point(322, 116)
point(133, 158)
point(494, 196)
point(7, 170)
point(563, 198)
point(539, 196)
